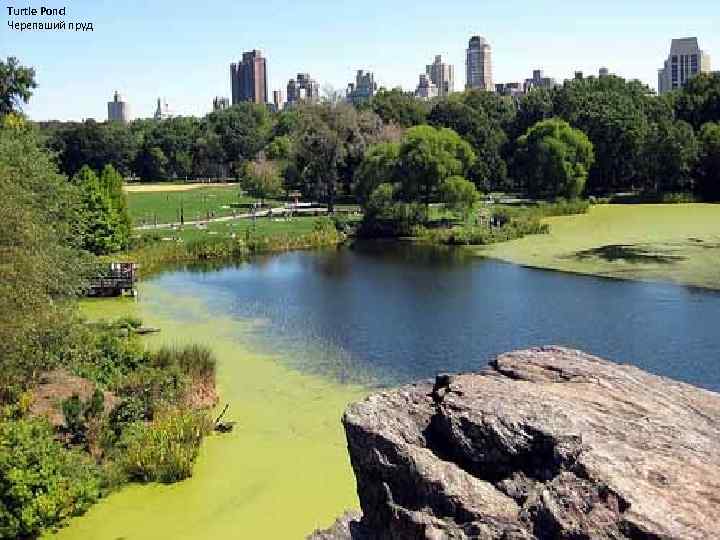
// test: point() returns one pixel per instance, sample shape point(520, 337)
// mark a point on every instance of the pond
point(300, 335)
point(387, 314)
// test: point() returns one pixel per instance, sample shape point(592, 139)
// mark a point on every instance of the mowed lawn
point(675, 242)
point(148, 207)
point(261, 227)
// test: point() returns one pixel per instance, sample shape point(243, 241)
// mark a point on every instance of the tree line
point(639, 141)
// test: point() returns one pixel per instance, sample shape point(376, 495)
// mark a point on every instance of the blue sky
point(182, 49)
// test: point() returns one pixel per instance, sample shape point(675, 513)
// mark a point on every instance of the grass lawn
point(675, 242)
point(146, 206)
point(262, 227)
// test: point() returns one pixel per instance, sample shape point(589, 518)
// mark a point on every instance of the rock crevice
point(543, 443)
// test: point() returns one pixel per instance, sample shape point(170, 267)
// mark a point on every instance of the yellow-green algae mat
point(679, 243)
point(282, 472)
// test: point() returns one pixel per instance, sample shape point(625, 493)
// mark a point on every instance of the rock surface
point(544, 443)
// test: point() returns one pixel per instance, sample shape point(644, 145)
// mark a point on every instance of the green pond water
point(300, 335)
point(281, 473)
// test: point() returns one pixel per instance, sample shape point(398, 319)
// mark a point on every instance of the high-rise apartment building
point(363, 89)
point(478, 64)
point(118, 110)
point(685, 61)
point(249, 78)
point(442, 75)
point(278, 100)
point(426, 89)
point(302, 89)
point(511, 89)
point(221, 103)
point(539, 80)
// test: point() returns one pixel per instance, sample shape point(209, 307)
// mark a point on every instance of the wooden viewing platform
point(118, 281)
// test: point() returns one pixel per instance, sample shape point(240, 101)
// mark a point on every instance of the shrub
point(164, 450)
point(41, 482)
point(154, 386)
point(128, 323)
point(507, 227)
point(195, 361)
point(78, 413)
point(128, 411)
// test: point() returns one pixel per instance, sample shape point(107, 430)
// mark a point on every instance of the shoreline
point(282, 415)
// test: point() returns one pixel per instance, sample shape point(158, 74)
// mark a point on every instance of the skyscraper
point(539, 80)
point(685, 61)
point(426, 89)
point(249, 78)
point(363, 88)
point(118, 110)
point(442, 75)
point(478, 64)
point(278, 100)
point(221, 103)
point(162, 111)
point(302, 89)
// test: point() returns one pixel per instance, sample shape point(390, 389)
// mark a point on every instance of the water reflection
point(393, 313)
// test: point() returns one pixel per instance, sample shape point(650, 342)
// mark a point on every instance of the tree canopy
point(555, 159)
point(428, 156)
point(16, 85)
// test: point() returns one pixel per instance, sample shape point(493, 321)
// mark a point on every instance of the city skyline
point(559, 39)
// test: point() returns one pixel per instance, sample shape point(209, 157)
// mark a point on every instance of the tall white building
point(118, 110)
point(442, 75)
point(478, 65)
point(685, 61)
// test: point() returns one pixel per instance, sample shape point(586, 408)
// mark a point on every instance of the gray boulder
point(543, 443)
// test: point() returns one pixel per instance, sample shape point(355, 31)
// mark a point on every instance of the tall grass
point(196, 361)
point(154, 257)
point(165, 449)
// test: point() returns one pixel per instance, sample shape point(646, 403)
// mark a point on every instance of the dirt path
point(158, 188)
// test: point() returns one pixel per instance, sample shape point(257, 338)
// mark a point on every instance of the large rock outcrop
point(544, 443)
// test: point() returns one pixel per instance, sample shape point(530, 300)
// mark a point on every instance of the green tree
point(262, 179)
point(709, 163)
point(167, 147)
point(670, 155)
point(330, 144)
point(398, 107)
point(319, 152)
point(243, 130)
point(533, 107)
point(96, 145)
point(152, 164)
point(459, 194)
point(427, 157)
point(378, 166)
point(112, 183)
point(16, 85)
point(41, 268)
point(699, 101)
point(208, 157)
point(102, 228)
point(484, 134)
point(280, 148)
point(501, 110)
point(554, 159)
point(613, 113)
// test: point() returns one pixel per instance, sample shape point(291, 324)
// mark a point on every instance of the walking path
point(260, 213)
